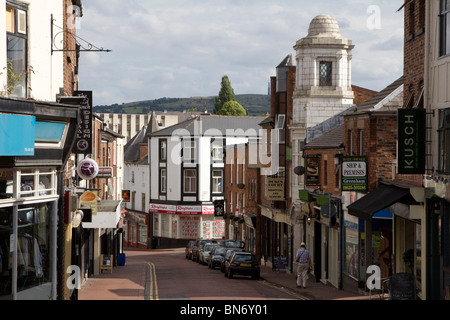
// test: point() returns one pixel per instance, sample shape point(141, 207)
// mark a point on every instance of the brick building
point(370, 135)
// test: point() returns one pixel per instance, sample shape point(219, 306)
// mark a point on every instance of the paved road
point(168, 275)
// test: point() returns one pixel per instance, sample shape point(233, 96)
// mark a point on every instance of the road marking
point(151, 284)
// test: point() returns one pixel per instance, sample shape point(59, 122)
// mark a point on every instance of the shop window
point(33, 245)
point(16, 34)
point(5, 256)
point(444, 141)
point(6, 184)
point(142, 234)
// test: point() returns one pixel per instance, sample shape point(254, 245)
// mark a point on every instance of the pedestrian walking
point(304, 266)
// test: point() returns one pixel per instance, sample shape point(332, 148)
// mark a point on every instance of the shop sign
point(354, 173)
point(312, 170)
point(17, 135)
point(275, 189)
point(208, 210)
point(105, 172)
point(126, 195)
point(83, 138)
point(411, 141)
point(163, 208)
point(87, 169)
point(89, 200)
point(190, 210)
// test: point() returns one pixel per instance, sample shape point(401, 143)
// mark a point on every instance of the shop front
point(35, 144)
point(322, 221)
point(174, 224)
point(388, 234)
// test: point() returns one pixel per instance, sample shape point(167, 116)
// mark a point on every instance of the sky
point(183, 48)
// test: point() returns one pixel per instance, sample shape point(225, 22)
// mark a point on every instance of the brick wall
point(70, 57)
point(414, 48)
point(379, 134)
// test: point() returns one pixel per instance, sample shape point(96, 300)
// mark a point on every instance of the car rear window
point(244, 258)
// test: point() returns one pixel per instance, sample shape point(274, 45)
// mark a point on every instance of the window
point(280, 128)
point(143, 201)
point(189, 150)
point(35, 183)
point(190, 180)
point(217, 183)
point(217, 150)
point(444, 141)
point(444, 33)
point(16, 33)
point(325, 73)
point(163, 181)
point(163, 150)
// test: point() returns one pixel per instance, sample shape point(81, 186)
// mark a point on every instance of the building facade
point(436, 104)
point(187, 172)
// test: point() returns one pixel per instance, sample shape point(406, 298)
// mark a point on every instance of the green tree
point(226, 94)
point(232, 108)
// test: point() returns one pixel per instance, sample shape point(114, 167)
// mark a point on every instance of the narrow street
point(168, 275)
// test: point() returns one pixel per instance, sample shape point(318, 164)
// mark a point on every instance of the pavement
point(128, 283)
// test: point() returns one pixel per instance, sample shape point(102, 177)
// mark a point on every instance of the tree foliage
point(226, 94)
point(232, 108)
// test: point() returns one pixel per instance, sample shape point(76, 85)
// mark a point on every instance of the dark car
point(243, 263)
point(233, 243)
point(197, 246)
point(227, 256)
point(216, 256)
point(188, 250)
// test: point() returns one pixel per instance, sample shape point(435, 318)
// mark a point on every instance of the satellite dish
point(300, 170)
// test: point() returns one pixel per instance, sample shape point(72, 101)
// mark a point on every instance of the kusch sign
point(411, 141)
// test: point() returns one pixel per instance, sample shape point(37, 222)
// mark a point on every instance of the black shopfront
point(31, 207)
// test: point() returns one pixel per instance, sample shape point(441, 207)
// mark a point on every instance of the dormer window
point(325, 68)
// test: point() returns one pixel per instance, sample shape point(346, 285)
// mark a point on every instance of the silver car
point(204, 253)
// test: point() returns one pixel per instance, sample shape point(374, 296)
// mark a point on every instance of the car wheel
point(255, 277)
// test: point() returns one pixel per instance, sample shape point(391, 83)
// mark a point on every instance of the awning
point(381, 198)
point(109, 213)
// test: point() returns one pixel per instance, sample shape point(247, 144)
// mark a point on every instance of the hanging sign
point(87, 169)
point(354, 173)
point(411, 141)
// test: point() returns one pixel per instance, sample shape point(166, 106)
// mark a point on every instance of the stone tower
point(323, 80)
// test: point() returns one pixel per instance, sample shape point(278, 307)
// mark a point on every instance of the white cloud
point(182, 48)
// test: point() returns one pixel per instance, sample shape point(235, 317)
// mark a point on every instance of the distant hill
point(255, 104)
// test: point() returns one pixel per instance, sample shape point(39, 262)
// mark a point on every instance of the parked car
point(233, 243)
point(216, 256)
point(188, 250)
point(203, 257)
point(197, 245)
point(227, 256)
point(243, 263)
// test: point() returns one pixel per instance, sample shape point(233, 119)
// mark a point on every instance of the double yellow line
point(151, 285)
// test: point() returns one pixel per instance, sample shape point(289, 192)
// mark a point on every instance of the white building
point(323, 90)
point(187, 173)
point(26, 24)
